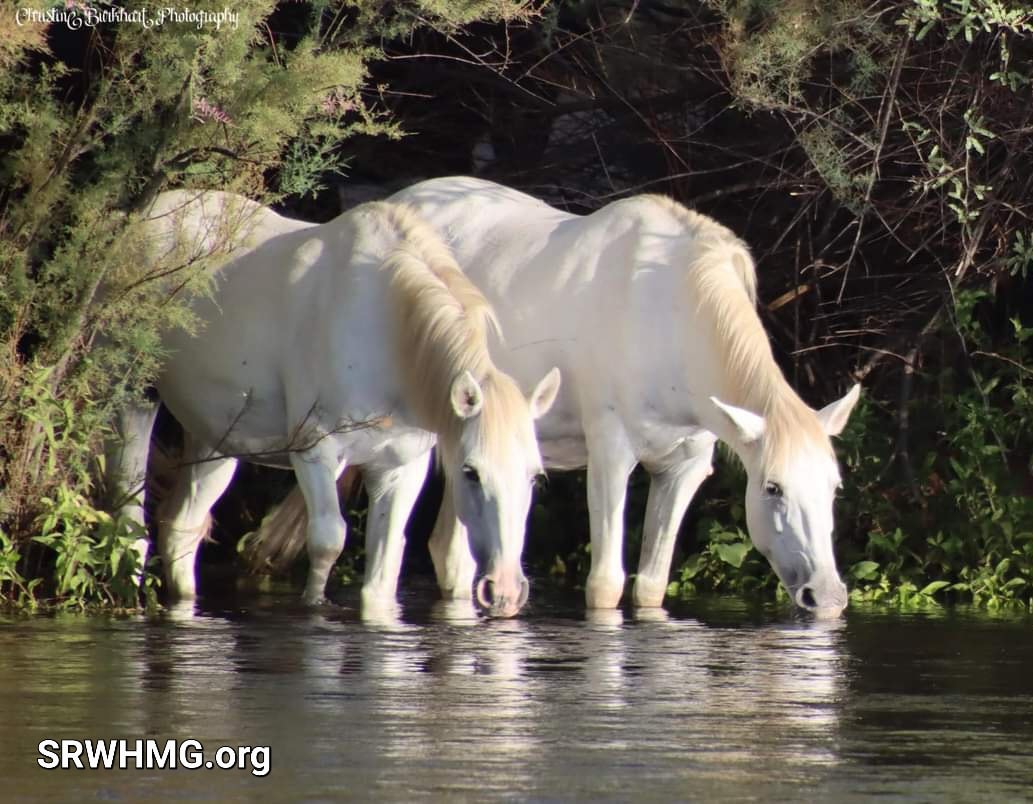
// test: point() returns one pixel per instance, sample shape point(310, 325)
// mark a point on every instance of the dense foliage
point(95, 119)
point(872, 154)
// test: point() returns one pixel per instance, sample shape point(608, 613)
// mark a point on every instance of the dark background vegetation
point(874, 155)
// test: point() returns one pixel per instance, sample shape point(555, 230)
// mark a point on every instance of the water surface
point(711, 700)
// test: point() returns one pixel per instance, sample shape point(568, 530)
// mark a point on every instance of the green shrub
point(87, 145)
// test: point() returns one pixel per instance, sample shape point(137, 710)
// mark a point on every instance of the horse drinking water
point(649, 311)
point(358, 341)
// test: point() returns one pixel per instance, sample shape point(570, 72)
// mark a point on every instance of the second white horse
point(649, 311)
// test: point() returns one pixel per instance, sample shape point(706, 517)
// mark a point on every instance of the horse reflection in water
point(435, 692)
point(784, 677)
point(195, 665)
point(433, 695)
point(358, 341)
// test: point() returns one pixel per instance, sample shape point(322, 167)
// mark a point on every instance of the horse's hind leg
point(316, 470)
point(670, 492)
point(183, 517)
point(126, 468)
point(392, 495)
point(454, 565)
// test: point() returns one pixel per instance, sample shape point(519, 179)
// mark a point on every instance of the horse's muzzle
point(498, 599)
point(824, 600)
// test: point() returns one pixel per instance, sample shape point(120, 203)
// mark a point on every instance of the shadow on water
point(711, 700)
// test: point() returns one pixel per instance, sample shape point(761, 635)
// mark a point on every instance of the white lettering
point(71, 750)
point(166, 759)
point(191, 754)
point(49, 758)
point(101, 754)
point(136, 753)
point(226, 757)
point(260, 760)
point(151, 754)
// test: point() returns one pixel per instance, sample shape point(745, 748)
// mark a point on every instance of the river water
point(711, 700)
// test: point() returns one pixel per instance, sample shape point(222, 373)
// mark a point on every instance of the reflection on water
point(429, 700)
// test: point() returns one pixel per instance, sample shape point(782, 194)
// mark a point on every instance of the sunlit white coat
point(648, 310)
point(358, 341)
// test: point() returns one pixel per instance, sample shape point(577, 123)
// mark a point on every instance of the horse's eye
point(540, 481)
point(471, 474)
point(772, 489)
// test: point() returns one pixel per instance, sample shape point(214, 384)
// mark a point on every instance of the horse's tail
point(280, 537)
point(163, 466)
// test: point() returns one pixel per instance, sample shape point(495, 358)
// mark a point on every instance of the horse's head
point(792, 478)
point(492, 467)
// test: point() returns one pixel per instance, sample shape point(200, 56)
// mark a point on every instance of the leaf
point(733, 554)
point(691, 567)
point(932, 588)
point(924, 30)
point(864, 570)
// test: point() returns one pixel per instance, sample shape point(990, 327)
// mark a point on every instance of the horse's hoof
point(648, 594)
point(603, 594)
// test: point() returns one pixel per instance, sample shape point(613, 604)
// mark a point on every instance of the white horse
point(649, 311)
point(358, 341)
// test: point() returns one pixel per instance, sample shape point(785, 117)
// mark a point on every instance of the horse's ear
point(749, 426)
point(466, 395)
point(544, 394)
point(833, 417)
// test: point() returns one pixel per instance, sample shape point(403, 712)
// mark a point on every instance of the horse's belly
point(230, 419)
point(564, 453)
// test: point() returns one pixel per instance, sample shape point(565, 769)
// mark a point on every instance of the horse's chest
point(386, 444)
point(658, 445)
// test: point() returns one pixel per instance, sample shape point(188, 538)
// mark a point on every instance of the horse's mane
point(723, 282)
point(443, 322)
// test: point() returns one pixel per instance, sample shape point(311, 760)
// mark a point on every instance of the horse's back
point(486, 224)
point(485, 199)
point(608, 297)
point(213, 222)
point(295, 331)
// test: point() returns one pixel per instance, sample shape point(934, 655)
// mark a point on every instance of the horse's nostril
point(485, 592)
point(806, 598)
point(525, 591)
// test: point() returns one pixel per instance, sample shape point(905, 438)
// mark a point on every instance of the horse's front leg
point(316, 470)
point(183, 517)
point(670, 492)
point(610, 461)
point(454, 565)
point(392, 495)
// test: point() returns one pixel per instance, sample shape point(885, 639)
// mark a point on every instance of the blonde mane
point(723, 281)
point(442, 324)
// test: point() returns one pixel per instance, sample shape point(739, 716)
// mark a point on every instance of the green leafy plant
point(95, 562)
point(87, 147)
point(14, 587)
